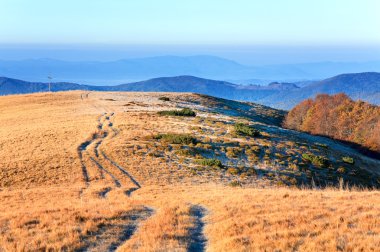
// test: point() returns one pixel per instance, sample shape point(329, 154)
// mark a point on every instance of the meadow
point(102, 171)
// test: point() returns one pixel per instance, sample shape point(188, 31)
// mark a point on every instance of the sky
point(312, 30)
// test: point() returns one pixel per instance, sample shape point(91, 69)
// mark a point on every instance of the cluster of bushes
point(182, 112)
point(316, 160)
point(246, 130)
point(213, 162)
point(176, 138)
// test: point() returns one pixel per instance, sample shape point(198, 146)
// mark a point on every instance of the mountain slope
point(364, 86)
point(181, 84)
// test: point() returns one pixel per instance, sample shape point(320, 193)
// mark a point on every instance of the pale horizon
point(249, 32)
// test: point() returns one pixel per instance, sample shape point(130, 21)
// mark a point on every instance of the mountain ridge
point(205, 66)
point(365, 86)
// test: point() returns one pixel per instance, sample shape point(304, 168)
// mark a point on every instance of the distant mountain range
point(365, 86)
point(130, 70)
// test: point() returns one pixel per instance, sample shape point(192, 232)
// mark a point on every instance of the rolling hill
point(110, 171)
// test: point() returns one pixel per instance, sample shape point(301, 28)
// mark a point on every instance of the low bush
point(176, 138)
point(322, 145)
point(235, 183)
point(164, 98)
point(246, 130)
point(316, 160)
point(348, 160)
point(213, 162)
point(185, 153)
point(182, 112)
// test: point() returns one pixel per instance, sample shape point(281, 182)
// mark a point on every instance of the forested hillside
point(339, 117)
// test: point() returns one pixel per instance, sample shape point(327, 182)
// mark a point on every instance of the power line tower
point(50, 78)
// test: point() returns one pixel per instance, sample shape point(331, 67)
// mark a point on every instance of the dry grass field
point(93, 171)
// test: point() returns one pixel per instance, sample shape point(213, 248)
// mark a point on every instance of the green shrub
point(322, 145)
point(185, 153)
point(348, 160)
point(246, 130)
point(163, 98)
point(213, 162)
point(316, 160)
point(176, 138)
point(235, 183)
point(182, 112)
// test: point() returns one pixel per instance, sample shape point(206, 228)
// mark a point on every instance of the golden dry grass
point(237, 219)
point(46, 204)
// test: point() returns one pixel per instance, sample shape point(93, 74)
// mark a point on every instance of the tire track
point(115, 180)
point(112, 162)
point(198, 240)
point(103, 193)
point(105, 125)
point(82, 149)
point(115, 231)
point(134, 181)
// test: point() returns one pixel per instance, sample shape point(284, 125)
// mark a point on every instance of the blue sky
point(249, 31)
point(321, 22)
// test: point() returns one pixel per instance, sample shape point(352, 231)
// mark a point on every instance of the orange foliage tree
point(339, 117)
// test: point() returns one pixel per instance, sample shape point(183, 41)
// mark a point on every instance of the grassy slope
point(47, 204)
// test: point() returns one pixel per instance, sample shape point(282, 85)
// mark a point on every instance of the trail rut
point(92, 150)
point(115, 231)
point(198, 239)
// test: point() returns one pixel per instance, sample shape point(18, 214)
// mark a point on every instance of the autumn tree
point(339, 117)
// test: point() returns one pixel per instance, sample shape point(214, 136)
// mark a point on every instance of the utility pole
point(50, 78)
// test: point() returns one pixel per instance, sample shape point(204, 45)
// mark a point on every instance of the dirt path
point(115, 180)
point(115, 231)
point(198, 239)
point(134, 181)
point(91, 148)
